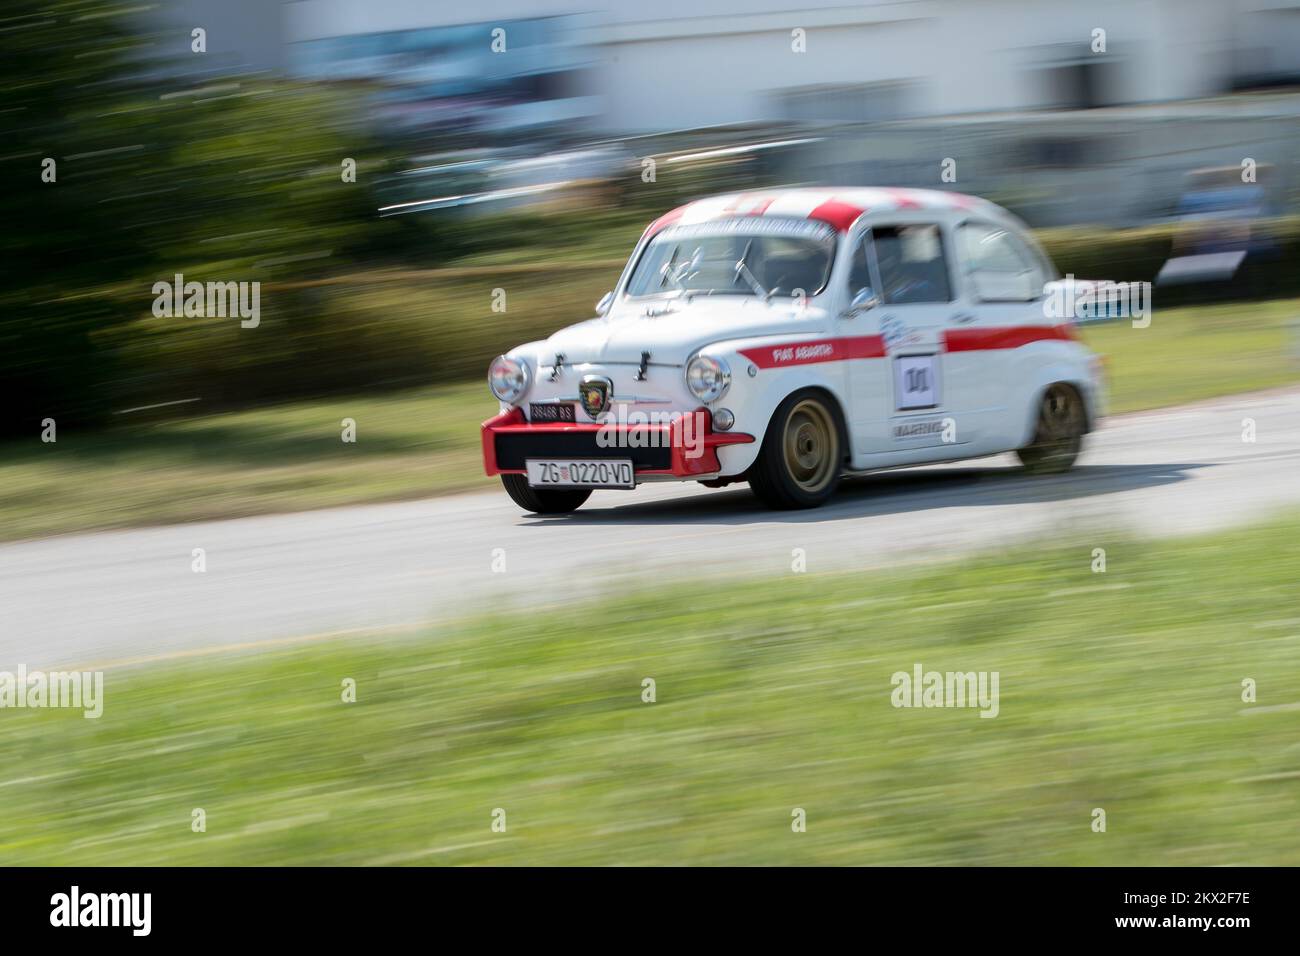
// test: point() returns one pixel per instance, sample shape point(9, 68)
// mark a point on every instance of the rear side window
point(1000, 265)
point(911, 263)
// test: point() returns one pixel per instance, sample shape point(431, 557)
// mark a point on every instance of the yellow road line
point(244, 646)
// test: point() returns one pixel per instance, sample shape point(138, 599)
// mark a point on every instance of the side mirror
point(605, 302)
point(863, 301)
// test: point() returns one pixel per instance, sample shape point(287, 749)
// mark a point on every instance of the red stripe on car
point(1003, 337)
point(841, 215)
point(812, 351)
point(817, 350)
point(667, 219)
point(903, 198)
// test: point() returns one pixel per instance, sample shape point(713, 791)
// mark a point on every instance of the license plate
point(580, 473)
point(550, 412)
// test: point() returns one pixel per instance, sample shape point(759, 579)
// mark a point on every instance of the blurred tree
point(229, 180)
point(62, 72)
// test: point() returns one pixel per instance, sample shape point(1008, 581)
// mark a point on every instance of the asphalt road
point(115, 597)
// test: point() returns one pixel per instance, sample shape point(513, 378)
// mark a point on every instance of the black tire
point(802, 456)
point(1058, 432)
point(544, 501)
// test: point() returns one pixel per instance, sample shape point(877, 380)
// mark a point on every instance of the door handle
point(964, 317)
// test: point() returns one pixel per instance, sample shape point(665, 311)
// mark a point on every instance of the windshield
point(749, 256)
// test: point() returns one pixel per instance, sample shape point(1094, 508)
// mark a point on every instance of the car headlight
point(707, 378)
point(508, 379)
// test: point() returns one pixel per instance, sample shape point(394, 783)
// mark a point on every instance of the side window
point(911, 263)
point(1000, 266)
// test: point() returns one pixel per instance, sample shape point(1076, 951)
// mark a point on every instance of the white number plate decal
point(916, 381)
point(580, 473)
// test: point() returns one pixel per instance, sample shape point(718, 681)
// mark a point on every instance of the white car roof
point(838, 206)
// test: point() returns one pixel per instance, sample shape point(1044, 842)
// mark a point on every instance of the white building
point(1065, 110)
point(673, 64)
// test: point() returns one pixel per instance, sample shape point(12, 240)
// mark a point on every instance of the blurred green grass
point(1199, 352)
point(1119, 690)
point(280, 458)
point(421, 442)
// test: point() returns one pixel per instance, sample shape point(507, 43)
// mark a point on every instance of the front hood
point(672, 336)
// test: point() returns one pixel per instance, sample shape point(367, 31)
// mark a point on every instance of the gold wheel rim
point(1060, 422)
point(811, 446)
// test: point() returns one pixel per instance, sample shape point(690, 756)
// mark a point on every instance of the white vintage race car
point(788, 338)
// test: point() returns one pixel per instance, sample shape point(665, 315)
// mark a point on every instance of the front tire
point(543, 501)
point(1058, 434)
point(801, 459)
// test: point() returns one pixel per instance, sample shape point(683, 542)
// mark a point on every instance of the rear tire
point(1058, 434)
point(543, 501)
point(801, 459)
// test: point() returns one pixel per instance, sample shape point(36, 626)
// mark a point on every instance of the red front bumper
point(688, 455)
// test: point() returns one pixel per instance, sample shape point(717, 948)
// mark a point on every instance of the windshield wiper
point(686, 269)
point(742, 271)
point(669, 274)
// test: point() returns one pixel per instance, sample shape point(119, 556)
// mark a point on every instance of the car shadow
point(887, 492)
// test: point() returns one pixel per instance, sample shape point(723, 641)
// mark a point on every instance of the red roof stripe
point(730, 208)
point(667, 219)
point(839, 214)
point(839, 211)
point(903, 198)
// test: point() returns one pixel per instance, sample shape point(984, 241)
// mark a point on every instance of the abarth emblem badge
point(595, 392)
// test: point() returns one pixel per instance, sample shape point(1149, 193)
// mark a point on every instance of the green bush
point(1136, 255)
point(236, 181)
